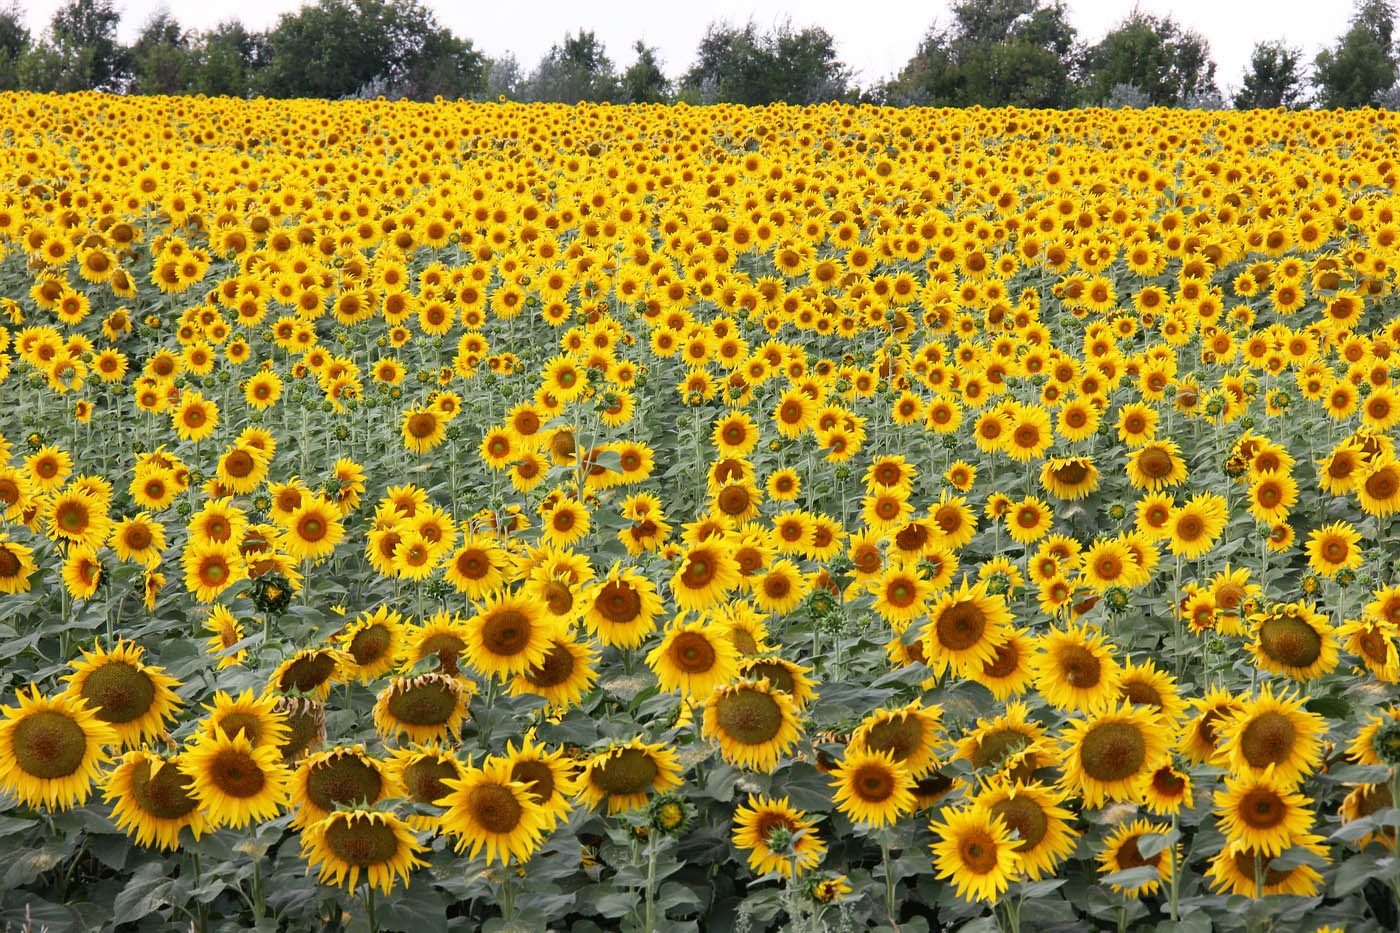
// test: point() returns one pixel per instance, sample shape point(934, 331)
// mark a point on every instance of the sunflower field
point(508, 517)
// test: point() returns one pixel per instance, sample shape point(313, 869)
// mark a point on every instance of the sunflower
point(1069, 478)
point(1273, 732)
point(212, 568)
point(1075, 670)
point(704, 575)
point(1334, 547)
point(347, 842)
point(16, 566)
point(373, 643)
point(784, 675)
point(1120, 852)
point(1243, 871)
point(255, 718)
point(309, 672)
point(443, 636)
point(235, 782)
point(508, 636)
point(1144, 684)
point(796, 849)
point(624, 773)
point(1378, 488)
point(425, 708)
point(564, 524)
point(486, 808)
point(82, 572)
point(75, 517)
point(1156, 466)
point(871, 788)
point(1258, 814)
point(754, 723)
point(1034, 812)
point(195, 417)
point(1195, 525)
point(338, 777)
point(976, 850)
point(131, 697)
point(548, 777)
point(693, 657)
point(964, 629)
point(563, 677)
point(423, 429)
point(152, 800)
point(51, 749)
point(313, 530)
point(911, 735)
point(419, 771)
point(138, 539)
point(1107, 753)
point(1294, 640)
point(622, 608)
point(1368, 748)
point(477, 568)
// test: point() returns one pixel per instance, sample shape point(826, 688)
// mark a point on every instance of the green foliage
point(995, 53)
point(644, 82)
point(1274, 78)
point(1362, 64)
point(1167, 62)
point(743, 66)
point(578, 69)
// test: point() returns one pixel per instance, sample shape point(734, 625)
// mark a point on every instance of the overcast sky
point(874, 38)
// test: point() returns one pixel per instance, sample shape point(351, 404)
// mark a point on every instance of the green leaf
point(1354, 873)
point(146, 892)
point(1149, 844)
point(1131, 877)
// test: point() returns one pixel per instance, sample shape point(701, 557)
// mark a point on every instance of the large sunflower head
point(508, 636)
point(51, 749)
point(911, 735)
point(1273, 732)
point(338, 777)
point(965, 627)
point(236, 783)
point(694, 657)
point(153, 799)
point(348, 842)
point(428, 707)
point(486, 808)
point(549, 777)
point(1107, 754)
point(754, 724)
point(872, 788)
point(624, 773)
point(133, 698)
point(976, 850)
point(777, 837)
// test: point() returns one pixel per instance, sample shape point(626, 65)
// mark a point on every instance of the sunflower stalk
point(651, 884)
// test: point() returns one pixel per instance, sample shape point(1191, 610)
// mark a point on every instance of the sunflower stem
point(1173, 886)
point(651, 884)
point(889, 883)
point(369, 908)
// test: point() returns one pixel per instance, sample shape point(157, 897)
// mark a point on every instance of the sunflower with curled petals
point(753, 723)
point(348, 842)
point(153, 800)
point(624, 773)
point(426, 708)
point(419, 771)
point(343, 776)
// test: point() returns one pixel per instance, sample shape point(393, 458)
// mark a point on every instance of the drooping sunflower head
point(348, 842)
point(338, 777)
point(424, 708)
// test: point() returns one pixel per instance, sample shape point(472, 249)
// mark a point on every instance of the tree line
point(1022, 53)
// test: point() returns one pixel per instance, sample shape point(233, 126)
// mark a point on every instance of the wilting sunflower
point(131, 697)
point(964, 628)
point(624, 773)
point(1075, 669)
point(1034, 812)
point(1239, 870)
point(310, 672)
point(796, 847)
point(975, 849)
point(1273, 732)
point(622, 608)
point(348, 842)
point(1257, 813)
point(338, 777)
point(508, 636)
point(1107, 754)
point(486, 808)
point(425, 708)
point(1294, 640)
point(911, 735)
point(152, 800)
point(754, 724)
point(872, 788)
point(255, 718)
point(51, 749)
point(1120, 852)
point(693, 657)
point(548, 776)
point(235, 782)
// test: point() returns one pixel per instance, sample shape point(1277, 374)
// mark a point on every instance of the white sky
point(874, 38)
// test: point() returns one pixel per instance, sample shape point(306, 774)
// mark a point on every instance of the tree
point(225, 60)
point(643, 82)
point(578, 69)
point(1155, 54)
point(333, 48)
point(994, 53)
point(740, 65)
point(162, 60)
point(1274, 79)
point(503, 78)
point(79, 51)
point(1362, 64)
point(14, 42)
